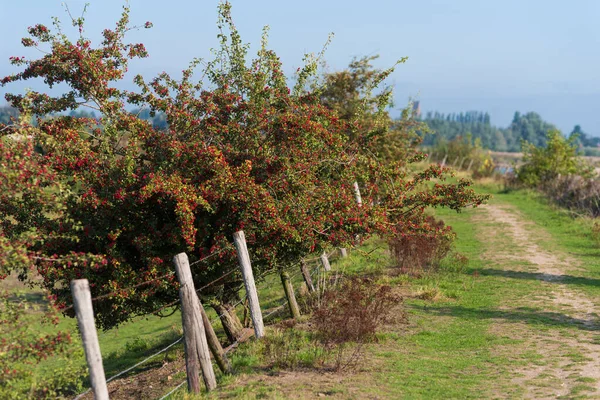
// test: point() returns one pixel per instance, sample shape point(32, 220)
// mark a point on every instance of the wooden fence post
point(82, 300)
point(306, 276)
point(470, 165)
point(197, 355)
point(325, 262)
point(444, 160)
point(289, 293)
point(357, 194)
point(239, 239)
point(462, 162)
point(213, 343)
point(343, 252)
point(455, 161)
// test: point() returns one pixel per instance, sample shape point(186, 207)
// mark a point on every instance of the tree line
point(529, 127)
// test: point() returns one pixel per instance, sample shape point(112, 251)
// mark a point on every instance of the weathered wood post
point(444, 160)
point(306, 276)
point(357, 194)
point(343, 252)
point(455, 161)
point(213, 343)
point(82, 300)
point(462, 162)
point(290, 295)
point(470, 165)
point(197, 355)
point(239, 239)
point(325, 262)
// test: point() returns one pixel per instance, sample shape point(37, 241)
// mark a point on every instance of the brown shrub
point(422, 250)
point(352, 313)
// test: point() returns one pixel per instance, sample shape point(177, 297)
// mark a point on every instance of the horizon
point(497, 58)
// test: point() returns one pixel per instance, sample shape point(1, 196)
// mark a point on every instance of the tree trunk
point(231, 323)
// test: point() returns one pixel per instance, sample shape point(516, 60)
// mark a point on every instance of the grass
point(472, 329)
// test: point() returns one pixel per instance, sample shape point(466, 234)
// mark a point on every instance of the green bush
point(557, 158)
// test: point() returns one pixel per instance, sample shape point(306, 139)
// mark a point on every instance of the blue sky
point(499, 56)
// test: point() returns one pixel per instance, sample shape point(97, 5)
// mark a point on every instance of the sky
point(498, 56)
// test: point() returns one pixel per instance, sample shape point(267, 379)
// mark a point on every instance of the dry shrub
point(352, 313)
point(417, 251)
point(575, 193)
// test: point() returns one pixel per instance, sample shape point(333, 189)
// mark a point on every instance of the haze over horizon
point(497, 57)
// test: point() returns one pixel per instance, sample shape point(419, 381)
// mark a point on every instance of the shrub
point(557, 158)
point(243, 150)
point(574, 193)
point(352, 313)
point(21, 347)
point(465, 151)
point(422, 250)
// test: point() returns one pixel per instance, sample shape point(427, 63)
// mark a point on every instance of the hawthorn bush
point(242, 150)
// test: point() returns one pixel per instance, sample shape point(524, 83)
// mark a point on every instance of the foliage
point(543, 164)
point(466, 152)
point(20, 348)
point(351, 94)
point(574, 192)
point(352, 313)
point(416, 249)
point(446, 127)
point(242, 151)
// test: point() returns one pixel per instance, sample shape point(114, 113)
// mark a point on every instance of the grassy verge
point(457, 342)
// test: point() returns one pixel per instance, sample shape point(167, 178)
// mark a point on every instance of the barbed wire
point(212, 321)
point(174, 390)
point(116, 292)
point(115, 376)
point(228, 247)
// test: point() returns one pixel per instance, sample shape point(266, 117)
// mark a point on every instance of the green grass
point(460, 345)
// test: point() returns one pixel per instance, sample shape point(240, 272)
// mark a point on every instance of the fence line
point(134, 366)
point(232, 346)
point(174, 390)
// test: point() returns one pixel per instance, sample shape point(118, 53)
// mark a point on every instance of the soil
point(559, 372)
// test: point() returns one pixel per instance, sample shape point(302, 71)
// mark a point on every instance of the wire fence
point(234, 345)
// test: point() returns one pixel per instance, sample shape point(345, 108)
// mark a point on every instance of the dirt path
point(569, 358)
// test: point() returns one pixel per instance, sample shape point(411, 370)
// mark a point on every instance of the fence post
point(325, 262)
point(343, 252)
point(462, 162)
point(306, 276)
point(82, 301)
point(289, 293)
point(197, 356)
point(470, 165)
point(239, 239)
point(357, 194)
point(213, 343)
point(455, 161)
point(444, 160)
